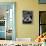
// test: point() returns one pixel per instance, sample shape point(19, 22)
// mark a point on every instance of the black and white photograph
point(27, 17)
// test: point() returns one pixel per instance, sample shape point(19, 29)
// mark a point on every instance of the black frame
point(27, 14)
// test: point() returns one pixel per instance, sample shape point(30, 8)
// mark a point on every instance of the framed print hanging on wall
point(27, 17)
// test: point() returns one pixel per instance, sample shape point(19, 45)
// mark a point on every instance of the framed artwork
point(42, 1)
point(42, 22)
point(27, 17)
point(7, 20)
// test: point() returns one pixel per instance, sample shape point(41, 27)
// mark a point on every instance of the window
point(42, 22)
point(7, 21)
point(42, 1)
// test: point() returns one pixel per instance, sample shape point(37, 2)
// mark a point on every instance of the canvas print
point(27, 17)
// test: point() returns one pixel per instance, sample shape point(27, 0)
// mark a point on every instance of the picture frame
point(27, 17)
point(42, 1)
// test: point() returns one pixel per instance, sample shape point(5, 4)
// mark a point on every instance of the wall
point(29, 30)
